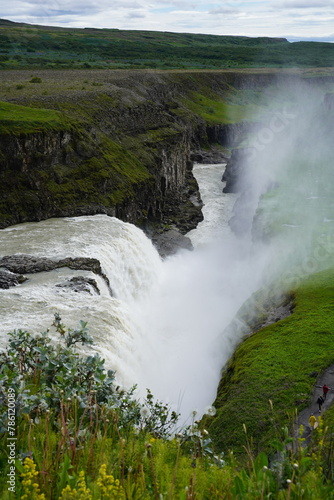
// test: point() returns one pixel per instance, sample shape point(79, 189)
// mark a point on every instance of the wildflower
point(265, 468)
point(295, 466)
point(211, 411)
point(144, 412)
point(80, 492)
point(110, 487)
point(29, 482)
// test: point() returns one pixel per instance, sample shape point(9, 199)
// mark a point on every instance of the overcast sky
point(293, 19)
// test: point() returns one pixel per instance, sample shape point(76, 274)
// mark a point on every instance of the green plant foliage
point(42, 47)
point(23, 119)
point(35, 79)
point(219, 111)
point(78, 437)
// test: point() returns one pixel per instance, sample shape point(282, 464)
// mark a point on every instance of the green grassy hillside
point(269, 377)
point(32, 46)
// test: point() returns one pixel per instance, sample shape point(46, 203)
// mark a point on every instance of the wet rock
point(23, 264)
point(212, 155)
point(236, 167)
point(169, 242)
point(81, 284)
point(8, 279)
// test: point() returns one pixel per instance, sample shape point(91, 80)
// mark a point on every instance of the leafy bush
point(35, 79)
point(46, 376)
point(77, 436)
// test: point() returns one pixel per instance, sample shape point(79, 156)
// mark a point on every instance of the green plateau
point(33, 46)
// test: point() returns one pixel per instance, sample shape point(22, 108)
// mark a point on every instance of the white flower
point(144, 412)
point(211, 411)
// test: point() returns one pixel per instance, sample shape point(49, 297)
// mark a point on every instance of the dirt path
point(327, 377)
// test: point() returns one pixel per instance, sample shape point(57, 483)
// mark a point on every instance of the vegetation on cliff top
point(33, 46)
point(16, 119)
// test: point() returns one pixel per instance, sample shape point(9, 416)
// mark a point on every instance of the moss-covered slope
point(271, 374)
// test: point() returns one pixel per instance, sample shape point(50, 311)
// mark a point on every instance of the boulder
point(81, 284)
point(169, 242)
point(8, 279)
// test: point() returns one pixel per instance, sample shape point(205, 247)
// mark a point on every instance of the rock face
point(126, 150)
point(8, 279)
point(169, 242)
point(16, 265)
point(235, 168)
point(81, 284)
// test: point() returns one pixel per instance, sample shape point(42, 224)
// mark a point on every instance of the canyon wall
point(126, 150)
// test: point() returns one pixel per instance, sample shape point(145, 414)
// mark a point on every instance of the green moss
point(275, 365)
point(218, 111)
point(15, 119)
point(107, 179)
point(123, 161)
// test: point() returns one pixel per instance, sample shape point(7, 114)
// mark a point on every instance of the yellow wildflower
point(30, 485)
point(109, 486)
point(80, 492)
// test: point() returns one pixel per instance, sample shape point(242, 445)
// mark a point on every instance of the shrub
point(36, 79)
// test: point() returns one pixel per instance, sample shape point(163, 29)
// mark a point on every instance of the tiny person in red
point(325, 389)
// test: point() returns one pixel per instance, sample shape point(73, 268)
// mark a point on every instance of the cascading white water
point(162, 327)
point(127, 257)
point(199, 295)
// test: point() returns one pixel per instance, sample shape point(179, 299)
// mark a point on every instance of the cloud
point(223, 10)
point(274, 18)
point(304, 4)
point(135, 15)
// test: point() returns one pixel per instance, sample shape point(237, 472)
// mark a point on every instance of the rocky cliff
point(125, 147)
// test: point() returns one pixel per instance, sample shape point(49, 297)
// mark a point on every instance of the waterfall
point(161, 327)
point(164, 327)
point(127, 257)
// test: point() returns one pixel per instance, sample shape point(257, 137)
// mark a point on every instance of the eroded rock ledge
point(15, 266)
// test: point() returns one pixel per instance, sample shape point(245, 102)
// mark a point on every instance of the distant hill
point(32, 46)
